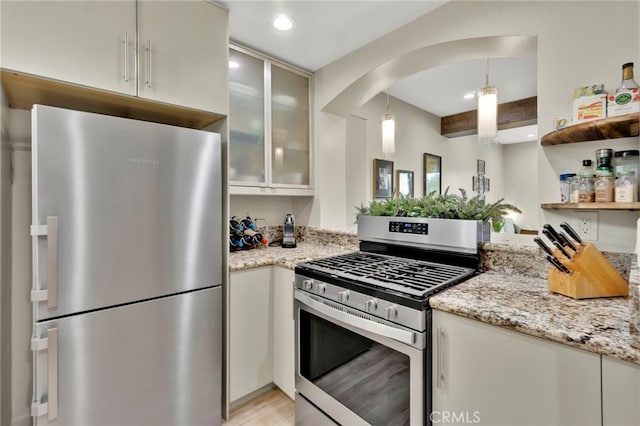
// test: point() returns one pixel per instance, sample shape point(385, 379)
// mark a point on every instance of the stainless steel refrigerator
point(126, 271)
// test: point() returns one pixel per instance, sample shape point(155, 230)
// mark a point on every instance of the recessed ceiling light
point(470, 95)
point(233, 64)
point(531, 135)
point(283, 22)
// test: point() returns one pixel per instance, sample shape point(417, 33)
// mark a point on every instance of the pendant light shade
point(388, 131)
point(487, 111)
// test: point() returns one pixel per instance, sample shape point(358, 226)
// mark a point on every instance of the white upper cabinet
point(173, 52)
point(269, 140)
point(187, 63)
point(78, 42)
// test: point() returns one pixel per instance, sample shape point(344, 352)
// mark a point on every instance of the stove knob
point(307, 284)
point(371, 305)
point(391, 312)
point(343, 296)
point(321, 288)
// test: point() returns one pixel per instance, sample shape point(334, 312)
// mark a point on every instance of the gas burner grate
point(412, 277)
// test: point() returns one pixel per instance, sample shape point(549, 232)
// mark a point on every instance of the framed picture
point(382, 178)
point(432, 174)
point(404, 182)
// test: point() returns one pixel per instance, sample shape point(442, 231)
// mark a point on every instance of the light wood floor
point(272, 408)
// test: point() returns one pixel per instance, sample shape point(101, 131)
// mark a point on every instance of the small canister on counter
point(626, 188)
point(565, 186)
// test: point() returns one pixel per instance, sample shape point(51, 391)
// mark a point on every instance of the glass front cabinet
point(269, 132)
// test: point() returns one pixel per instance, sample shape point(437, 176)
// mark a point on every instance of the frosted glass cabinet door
point(289, 127)
point(246, 119)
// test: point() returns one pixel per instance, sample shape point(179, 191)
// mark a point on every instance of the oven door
point(356, 368)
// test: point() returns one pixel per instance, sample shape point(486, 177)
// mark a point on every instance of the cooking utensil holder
point(592, 275)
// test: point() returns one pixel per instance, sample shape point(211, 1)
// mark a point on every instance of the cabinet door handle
point(149, 64)
point(126, 57)
point(440, 358)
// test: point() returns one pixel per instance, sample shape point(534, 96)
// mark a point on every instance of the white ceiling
point(324, 31)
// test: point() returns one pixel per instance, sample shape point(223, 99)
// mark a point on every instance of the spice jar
point(626, 188)
point(603, 160)
point(574, 189)
point(565, 186)
point(604, 188)
point(587, 192)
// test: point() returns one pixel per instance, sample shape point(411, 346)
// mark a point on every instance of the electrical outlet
point(587, 225)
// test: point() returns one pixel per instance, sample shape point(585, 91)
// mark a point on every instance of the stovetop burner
point(415, 278)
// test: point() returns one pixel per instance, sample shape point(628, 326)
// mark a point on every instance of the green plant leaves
point(442, 206)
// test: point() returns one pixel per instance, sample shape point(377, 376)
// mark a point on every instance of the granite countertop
point(512, 293)
point(284, 257)
point(524, 304)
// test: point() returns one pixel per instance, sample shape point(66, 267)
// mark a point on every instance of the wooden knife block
point(592, 275)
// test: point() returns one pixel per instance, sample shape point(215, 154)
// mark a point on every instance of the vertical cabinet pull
point(149, 64)
point(52, 262)
point(52, 373)
point(440, 358)
point(126, 57)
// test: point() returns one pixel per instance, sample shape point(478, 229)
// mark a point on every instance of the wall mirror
point(432, 174)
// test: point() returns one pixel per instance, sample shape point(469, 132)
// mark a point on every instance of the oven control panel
point(409, 228)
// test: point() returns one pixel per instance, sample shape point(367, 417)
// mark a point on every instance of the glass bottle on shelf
point(627, 78)
point(587, 188)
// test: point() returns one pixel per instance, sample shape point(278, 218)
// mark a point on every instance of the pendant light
point(388, 131)
point(487, 111)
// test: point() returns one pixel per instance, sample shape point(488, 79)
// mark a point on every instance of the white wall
point(569, 54)
point(417, 132)
point(15, 264)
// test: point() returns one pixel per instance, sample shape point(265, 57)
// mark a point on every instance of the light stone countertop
point(512, 293)
point(524, 304)
point(284, 257)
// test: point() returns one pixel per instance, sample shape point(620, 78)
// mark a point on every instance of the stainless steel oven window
point(356, 376)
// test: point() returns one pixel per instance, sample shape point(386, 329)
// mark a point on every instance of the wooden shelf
point(591, 206)
point(24, 90)
point(623, 126)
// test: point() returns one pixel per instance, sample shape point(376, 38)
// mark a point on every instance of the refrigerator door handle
point(50, 408)
point(52, 262)
point(52, 373)
point(50, 230)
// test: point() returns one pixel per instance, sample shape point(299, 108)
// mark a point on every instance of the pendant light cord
point(486, 73)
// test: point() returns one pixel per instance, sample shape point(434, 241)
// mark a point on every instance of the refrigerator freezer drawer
point(136, 208)
point(150, 363)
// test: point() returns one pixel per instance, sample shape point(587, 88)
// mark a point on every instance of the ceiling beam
point(523, 112)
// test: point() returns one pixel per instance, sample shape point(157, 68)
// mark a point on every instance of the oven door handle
point(361, 323)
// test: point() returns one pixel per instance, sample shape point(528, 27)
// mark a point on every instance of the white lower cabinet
point(487, 375)
point(250, 335)
point(283, 331)
point(620, 392)
point(261, 331)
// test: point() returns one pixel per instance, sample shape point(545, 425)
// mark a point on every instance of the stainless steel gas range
point(363, 322)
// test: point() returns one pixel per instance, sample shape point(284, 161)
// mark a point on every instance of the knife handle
point(555, 262)
point(565, 242)
point(543, 246)
point(572, 232)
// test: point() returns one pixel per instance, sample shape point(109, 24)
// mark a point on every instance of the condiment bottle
point(574, 185)
point(627, 78)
